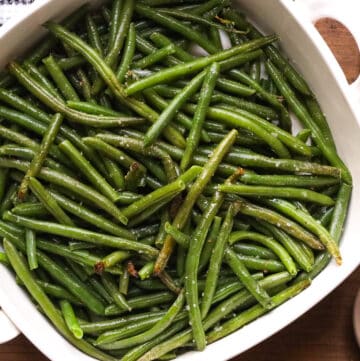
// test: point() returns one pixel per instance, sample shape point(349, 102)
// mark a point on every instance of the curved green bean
point(269, 243)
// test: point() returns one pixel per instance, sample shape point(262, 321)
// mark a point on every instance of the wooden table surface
point(324, 333)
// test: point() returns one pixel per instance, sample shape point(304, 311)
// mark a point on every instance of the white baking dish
point(292, 21)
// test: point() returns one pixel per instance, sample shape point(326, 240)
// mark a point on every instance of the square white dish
point(301, 42)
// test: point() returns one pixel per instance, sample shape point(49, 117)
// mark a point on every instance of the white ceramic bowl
point(293, 22)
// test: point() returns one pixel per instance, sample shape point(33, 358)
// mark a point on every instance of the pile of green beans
point(153, 200)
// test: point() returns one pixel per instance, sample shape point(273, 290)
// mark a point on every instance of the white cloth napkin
point(10, 7)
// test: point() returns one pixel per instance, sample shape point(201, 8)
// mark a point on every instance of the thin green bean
point(40, 156)
point(200, 113)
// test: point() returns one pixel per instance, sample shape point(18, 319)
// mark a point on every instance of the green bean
point(209, 244)
point(256, 311)
point(114, 174)
point(169, 283)
point(76, 246)
point(216, 260)
point(234, 88)
point(269, 243)
point(146, 270)
point(30, 239)
point(283, 192)
point(124, 282)
point(268, 97)
point(251, 285)
point(181, 238)
point(91, 108)
point(258, 109)
point(117, 323)
point(170, 189)
point(152, 166)
point(195, 65)
point(165, 217)
point(303, 115)
point(175, 25)
point(97, 286)
point(42, 80)
point(162, 40)
point(40, 156)
point(145, 231)
point(93, 34)
point(221, 311)
point(142, 302)
point(88, 170)
point(146, 47)
point(162, 104)
point(319, 118)
point(239, 121)
point(136, 352)
point(310, 223)
point(70, 62)
point(12, 228)
point(134, 177)
point(81, 234)
point(111, 288)
point(287, 180)
point(163, 324)
point(87, 215)
point(108, 340)
point(49, 202)
point(290, 141)
point(166, 192)
point(146, 215)
point(182, 15)
point(295, 249)
point(116, 44)
point(168, 114)
point(254, 251)
point(200, 113)
point(45, 303)
point(115, 19)
point(197, 188)
point(83, 258)
point(70, 319)
point(81, 83)
point(3, 180)
point(279, 221)
point(59, 106)
point(115, 257)
point(230, 288)
point(110, 151)
point(154, 57)
point(6, 202)
point(79, 270)
point(60, 79)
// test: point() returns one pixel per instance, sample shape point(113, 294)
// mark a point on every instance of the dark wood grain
point(325, 332)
